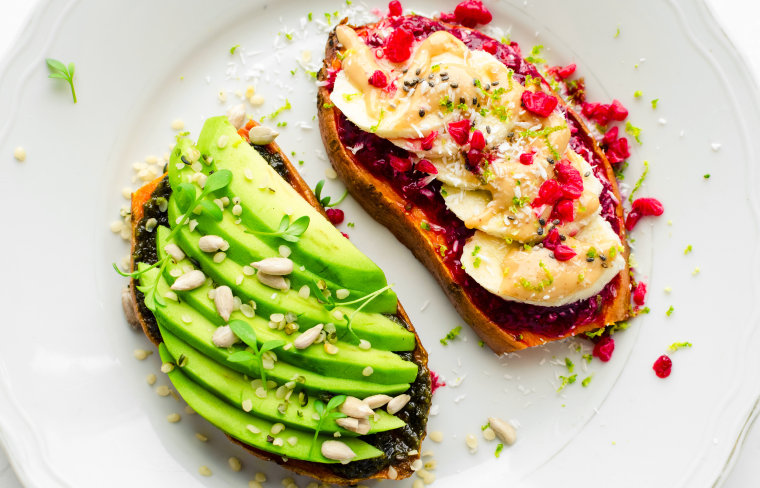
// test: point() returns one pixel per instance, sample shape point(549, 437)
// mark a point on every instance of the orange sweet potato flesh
point(315, 470)
point(381, 201)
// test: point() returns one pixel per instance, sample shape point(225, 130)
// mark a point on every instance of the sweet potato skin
point(388, 208)
point(306, 468)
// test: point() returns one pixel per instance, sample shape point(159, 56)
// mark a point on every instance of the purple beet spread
point(372, 152)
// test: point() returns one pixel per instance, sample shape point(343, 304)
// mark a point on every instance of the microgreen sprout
point(330, 304)
point(326, 412)
point(246, 334)
point(63, 72)
point(287, 230)
point(326, 202)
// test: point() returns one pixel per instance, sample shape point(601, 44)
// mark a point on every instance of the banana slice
point(534, 276)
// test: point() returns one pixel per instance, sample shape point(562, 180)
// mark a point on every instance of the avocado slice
point(350, 362)
point(235, 388)
point(265, 198)
point(245, 247)
point(379, 330)
point(253, 430)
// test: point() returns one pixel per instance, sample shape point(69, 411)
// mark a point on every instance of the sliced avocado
point(194, 329)
point(380, 331)
point(275, 407)
point(245, 247)
point(253, 430)
point(265, 198)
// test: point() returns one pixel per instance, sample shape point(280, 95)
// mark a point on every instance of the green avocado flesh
point(253, 430)
point(362, 351)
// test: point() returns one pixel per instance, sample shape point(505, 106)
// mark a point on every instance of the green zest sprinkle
point(617, 33)
point(566, 380)
point(569, 364)
point(62, 72)
point(633, 131)
point(670, 311)
point(327, 105)
point(542, 132)
point(640, 182)
point(485, 426)
point(499, 448)
point(310, 16)
point(654, 103)
point(707, 176)
point(234, 48)
point(453, 334)
point(481, 343)
point(277, 112)
point(351, 225)
point(442, 250)
point(678, 345)
point(637, 94)
point(424, 225)
point(374, 128)
point(586, 381)
point(688, 249)
point(535, 55)
point(587, 358)
point(476, 262)
point(595, 333)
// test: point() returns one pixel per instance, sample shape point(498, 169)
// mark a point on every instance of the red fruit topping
point(552, 239)
point(566, 71)
point(618, 151)
point(604, 348)
point(398, 47)
point(490, 46)
point(565, 210)
point(610, 136)
point(459, 131)
point(471, 13)
point(603, 114)
point(344, 235)
point(640, 293)
point(395, 9)
point(448, 17)
point(378, 79)
point(569, 179)
point(435, 381)
point(643, 207)
point(427, 141)
point(564, 252)
point(549, 193)
point(477, 141)
point(663, 366)
point(335, 215)
point(474, 158)
point(426, 167)
point(539, 103)
point(527, 158)
point(400, 164)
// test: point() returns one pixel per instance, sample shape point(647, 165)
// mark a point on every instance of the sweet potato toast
point(142, 209)
point(505, 327)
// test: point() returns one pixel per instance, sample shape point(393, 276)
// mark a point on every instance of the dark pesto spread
point(274, 159)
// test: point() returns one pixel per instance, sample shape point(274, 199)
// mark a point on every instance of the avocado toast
point(269, 322)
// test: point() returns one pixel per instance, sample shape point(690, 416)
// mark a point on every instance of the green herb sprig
point(329, 303)
point(287, 230)
point(246, 334)
point(327, 202)
point(326, 412)
point(63, 72)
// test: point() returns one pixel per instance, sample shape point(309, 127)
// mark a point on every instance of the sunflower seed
point(189, 281)
point(337, 451)
point(224, 302)
point(175, 252)
point(274, 266)
point(377, 401)
point(212, 243)
point(224, 337)
point(262, 135)
point(360, 426)
point(353, 407)
point(397, 403)
point(504, 430)
point(129, 309)
point(308, 337)
point(236, 115)
point(276, 282)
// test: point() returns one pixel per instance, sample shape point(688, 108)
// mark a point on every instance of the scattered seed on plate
point(151, 379)
point(141, 354)
point(472, 442)
point(235, 464)
point(20, 154)
point(204, 471)
point(163, 390)
point(201, 437)
point(173, 418)
point(436, 436)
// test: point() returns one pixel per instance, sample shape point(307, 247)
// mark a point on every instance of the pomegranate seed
point(618, 151)
point(648, 206)
point(631, 220)
point(395, 9)
point(610, 136)
point(552, 239)
point(398, 47)
point(569, 179)
point(618, 111)
point(663, 366)
point(604, 348)
point(564, 252)
point(378, 79)
point(435, 382)
point(427, 142)
point(400, 164)
point(566, 71)
point(565, 210)
point(474, 158)
point(344, 235)
point(527, 158)
point(477, 141)
point(459, 131)
point(549, 193)
point(490, 46)
point(448, 17)
point(640, 293)
point(471, 13)
point(335, 215)
point(603, 114)
point(538, 103)
point(426, 167)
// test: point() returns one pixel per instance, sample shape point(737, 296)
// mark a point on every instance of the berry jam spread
point(382, 158)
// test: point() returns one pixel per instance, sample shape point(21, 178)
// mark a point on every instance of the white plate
point(74, 406)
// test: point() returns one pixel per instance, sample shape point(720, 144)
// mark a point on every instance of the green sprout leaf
point(61, 71)
point(324, 413)
point(212, 210)
point(325, 202)
point(184, 194)
point(217, 180)
point(287, 231)
point(245, 332)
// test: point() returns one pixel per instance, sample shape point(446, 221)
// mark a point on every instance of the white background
point(739, 20)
